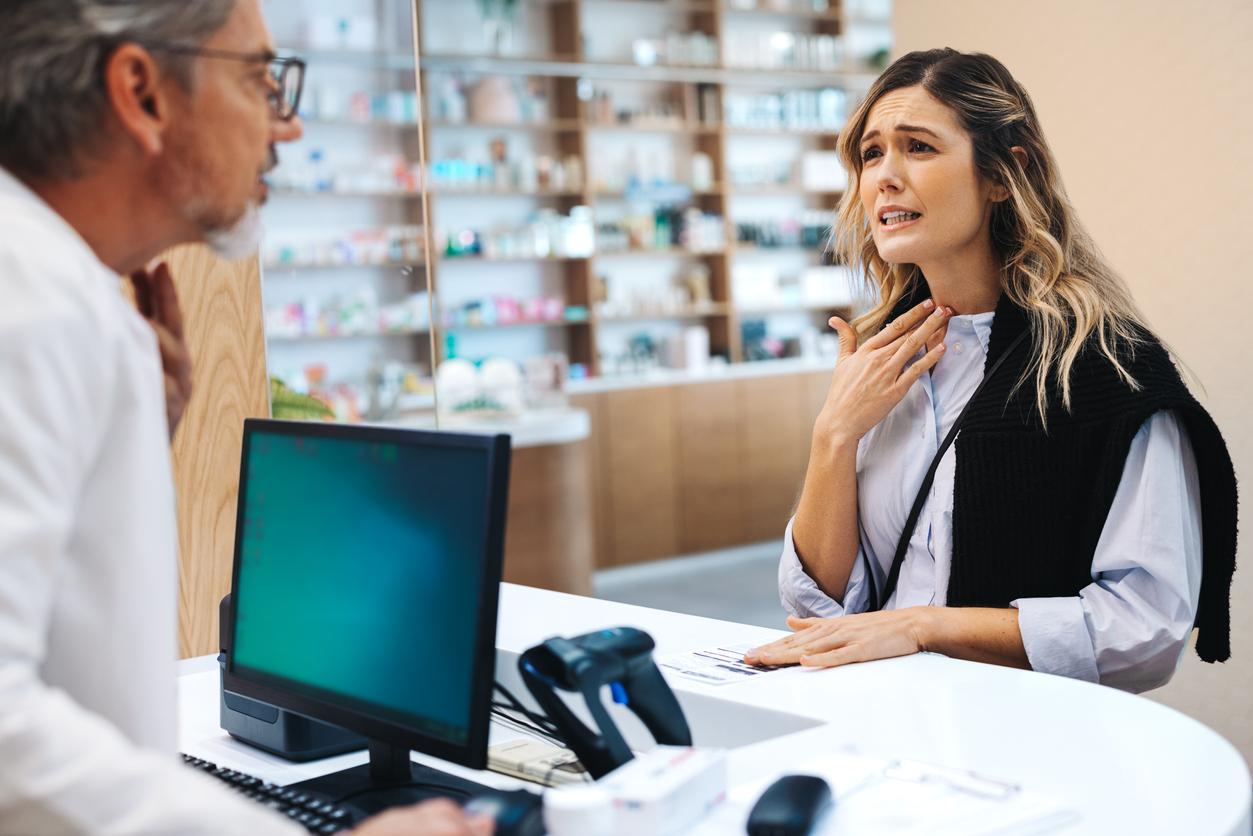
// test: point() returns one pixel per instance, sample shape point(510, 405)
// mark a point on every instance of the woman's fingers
point(796, 624)
point(788, 651)
point(920, 336)
point(833, 658)
point(923, 365)
point(848, 337)
point(900, 326)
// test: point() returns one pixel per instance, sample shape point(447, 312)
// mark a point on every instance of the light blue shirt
point(1128, 628)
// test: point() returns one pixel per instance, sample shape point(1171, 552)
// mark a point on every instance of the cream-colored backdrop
point(1146, 104)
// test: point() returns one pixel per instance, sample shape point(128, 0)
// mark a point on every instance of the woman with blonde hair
point(1084, 520)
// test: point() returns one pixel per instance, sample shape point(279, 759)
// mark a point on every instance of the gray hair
point(52, 56)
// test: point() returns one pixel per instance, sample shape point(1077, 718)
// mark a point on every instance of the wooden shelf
point(366, 335)
point(807, 132)
point(645, 191)
point(392, 194)
point(504, 193)
point(564, 68)
point(550, 125)
point(715, 309)
point(781, 189)
point(655, 128)
point(382, 59)
point(750, 249)
point(297, 267)
point(829, 16)
point(775, 309)
point(557, 323)
point(398, 124)
point(666, 252)
point(498, 259)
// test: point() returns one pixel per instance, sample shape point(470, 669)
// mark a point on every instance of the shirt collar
point(14, 189)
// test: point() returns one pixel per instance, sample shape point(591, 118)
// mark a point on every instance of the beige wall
point(1146, 104)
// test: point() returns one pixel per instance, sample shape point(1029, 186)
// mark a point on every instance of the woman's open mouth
point(896, 220)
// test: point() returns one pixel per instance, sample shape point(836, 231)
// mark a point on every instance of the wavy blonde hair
point(1051, 267)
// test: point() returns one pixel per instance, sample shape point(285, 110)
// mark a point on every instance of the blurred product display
point(662, 229)
point(625, 194)
point(547, 235)
point(496, 168)
point(798, 110)
point(386, 246)
point(348, 315)
point(676, 49)
point(383, 174)
point(811, 229)
point(783, 50)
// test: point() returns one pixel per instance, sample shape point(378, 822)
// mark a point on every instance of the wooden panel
point(602, 518)
point(549, 534)
point(773, 437)
point(223, 316)
point(710, 468)
point(640, 435)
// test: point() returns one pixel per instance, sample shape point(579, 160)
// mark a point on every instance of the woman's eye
point(869, 153)
point(915, 145)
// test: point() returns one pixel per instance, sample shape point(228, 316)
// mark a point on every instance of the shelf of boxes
point(561, 58)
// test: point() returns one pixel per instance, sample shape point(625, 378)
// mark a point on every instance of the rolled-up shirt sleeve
point(1129, 627)
point(800, 594)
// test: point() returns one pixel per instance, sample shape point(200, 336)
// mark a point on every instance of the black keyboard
point(317, 814)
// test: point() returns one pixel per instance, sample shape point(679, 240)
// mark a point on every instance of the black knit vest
point(1029, 505)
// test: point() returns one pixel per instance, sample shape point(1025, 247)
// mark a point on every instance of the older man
point(126, 127)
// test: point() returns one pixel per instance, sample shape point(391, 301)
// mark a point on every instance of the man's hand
point(431, 818)
point(158, 303)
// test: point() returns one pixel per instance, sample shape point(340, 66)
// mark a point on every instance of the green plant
point(289, 405)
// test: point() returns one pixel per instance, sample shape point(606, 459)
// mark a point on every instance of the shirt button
point(957, 347)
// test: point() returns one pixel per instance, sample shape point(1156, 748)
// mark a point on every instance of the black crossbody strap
point(879, 600)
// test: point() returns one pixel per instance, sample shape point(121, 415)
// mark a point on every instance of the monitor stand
point(390, 779)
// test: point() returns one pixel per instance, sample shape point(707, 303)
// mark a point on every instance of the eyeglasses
point(287, 73)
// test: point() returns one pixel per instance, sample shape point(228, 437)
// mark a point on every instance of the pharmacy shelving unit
point(558, 57)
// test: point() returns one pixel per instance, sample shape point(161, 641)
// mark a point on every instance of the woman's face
point(917, 159)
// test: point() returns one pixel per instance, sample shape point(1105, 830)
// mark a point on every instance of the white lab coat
point(88, 569)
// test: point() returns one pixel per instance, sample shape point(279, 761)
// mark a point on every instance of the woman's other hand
point(870, 379)
point(828, 642)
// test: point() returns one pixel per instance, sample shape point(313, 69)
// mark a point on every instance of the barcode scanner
point(620, 657)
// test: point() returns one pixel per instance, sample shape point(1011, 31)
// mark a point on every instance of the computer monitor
point(365, 584)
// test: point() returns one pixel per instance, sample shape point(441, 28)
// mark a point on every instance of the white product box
point(828, 286)
point(822, 171)
point(666, 790)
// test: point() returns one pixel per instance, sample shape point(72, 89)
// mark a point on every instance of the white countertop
point(532, 428)
point(1123, 763)
point(711, 373)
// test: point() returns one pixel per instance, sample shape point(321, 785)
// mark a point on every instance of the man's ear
point(999, 192)
point(138, 96)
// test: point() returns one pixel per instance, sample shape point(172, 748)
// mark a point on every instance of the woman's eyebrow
point(912, 129)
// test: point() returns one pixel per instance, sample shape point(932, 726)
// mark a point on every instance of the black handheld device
point(791, 806)
point(620, 657)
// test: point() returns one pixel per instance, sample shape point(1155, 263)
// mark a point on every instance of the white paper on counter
point(715, 666)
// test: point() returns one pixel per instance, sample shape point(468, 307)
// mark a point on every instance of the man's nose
point(288, 131)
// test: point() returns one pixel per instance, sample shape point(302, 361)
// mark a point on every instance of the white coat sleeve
point(64, 769)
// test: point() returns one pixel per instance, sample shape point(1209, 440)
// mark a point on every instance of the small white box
point(821, 171)
point(831, 286)
point(666, 790)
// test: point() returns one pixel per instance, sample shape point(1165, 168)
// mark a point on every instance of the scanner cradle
point(620, 657)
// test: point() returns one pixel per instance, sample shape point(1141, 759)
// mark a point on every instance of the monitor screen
point(360, 572)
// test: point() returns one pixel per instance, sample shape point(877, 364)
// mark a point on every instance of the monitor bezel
point(473, 753)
